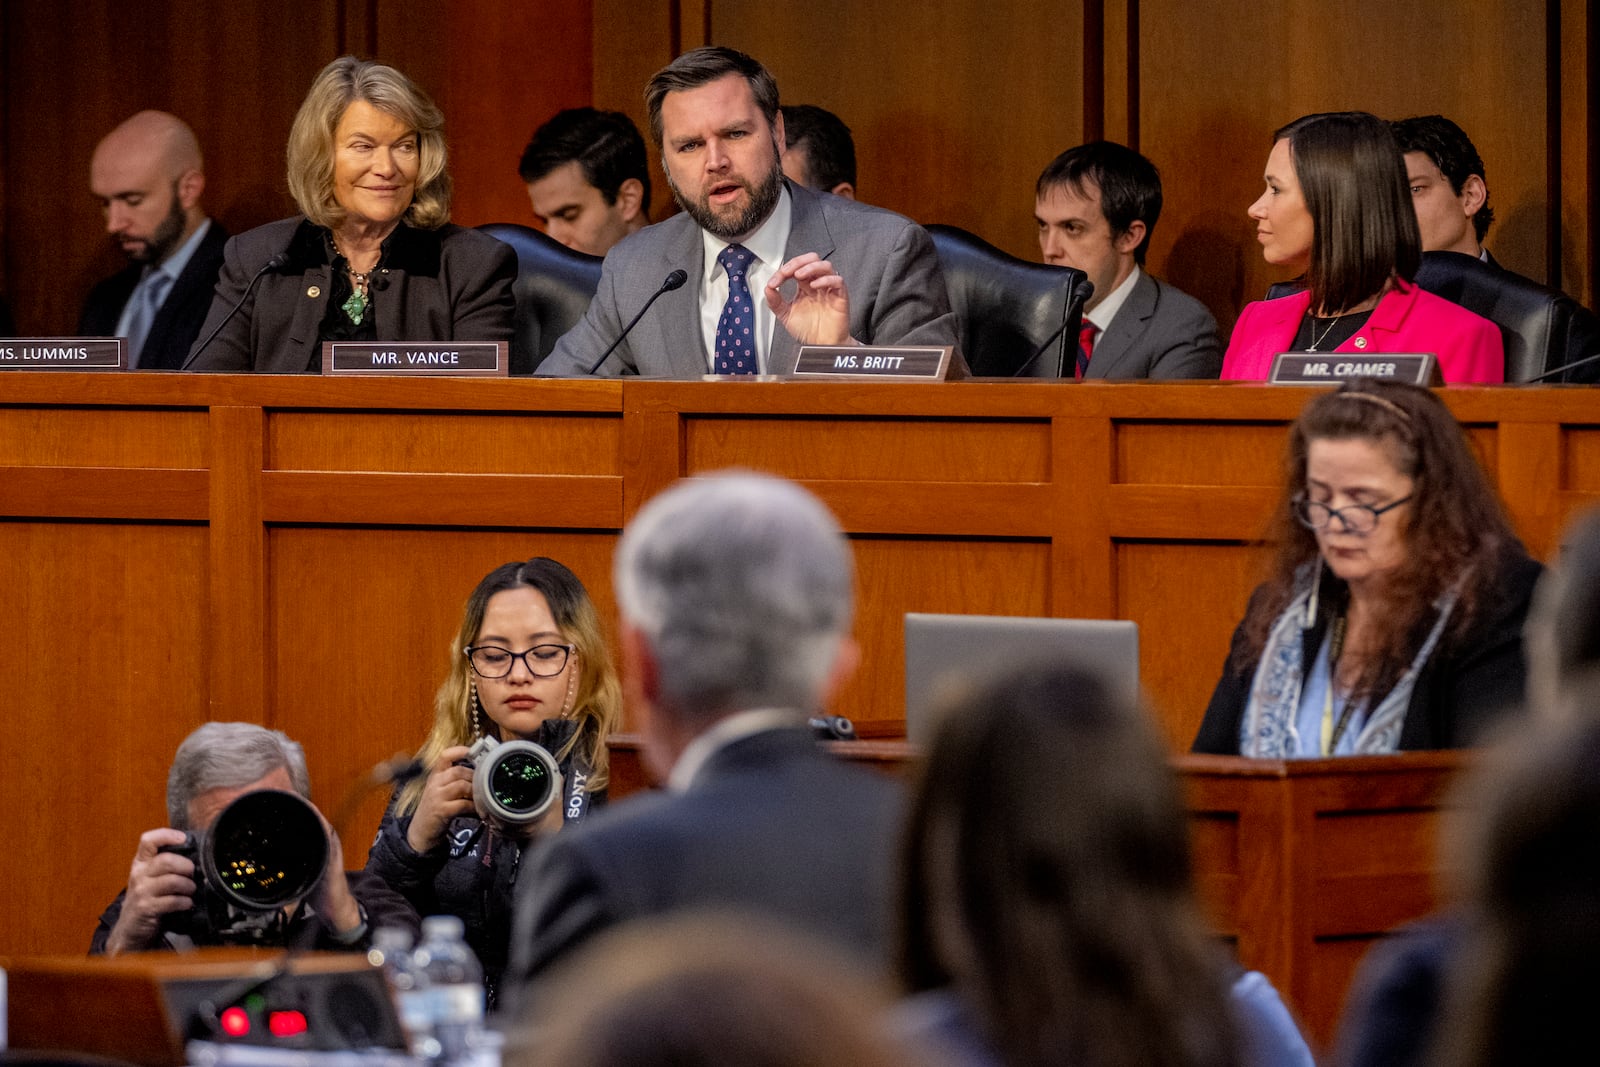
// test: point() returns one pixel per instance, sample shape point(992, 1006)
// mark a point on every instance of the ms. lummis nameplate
point(922, 363)
point(62, 353)
point(455, 358)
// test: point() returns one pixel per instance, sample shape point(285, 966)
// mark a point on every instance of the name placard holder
point(478, 359)
point(927, 363)
point(1317, 368)
point(63, 353)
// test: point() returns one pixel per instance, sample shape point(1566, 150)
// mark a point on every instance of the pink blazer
point(1407, 319)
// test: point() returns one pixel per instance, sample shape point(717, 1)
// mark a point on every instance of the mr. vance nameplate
point(62, 353)
point(923, 363)
point(1316, 368)
point(454, 358)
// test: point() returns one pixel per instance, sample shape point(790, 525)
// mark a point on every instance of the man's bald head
point(148, 176)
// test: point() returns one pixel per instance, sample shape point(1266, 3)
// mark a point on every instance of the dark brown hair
point(1364, 226)
point(702, 66)
point(1455, 529)
point(1045, 876)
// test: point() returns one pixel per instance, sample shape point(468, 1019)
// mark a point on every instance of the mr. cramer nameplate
point(1318, 368)
point(62, 353)
point(924, 363)
point(485, 359)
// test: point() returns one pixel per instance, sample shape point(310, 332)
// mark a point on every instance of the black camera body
point(265, 851)
point(513, 782)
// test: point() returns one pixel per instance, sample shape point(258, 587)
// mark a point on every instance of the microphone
point(277, 262)
point(1085, 287)
point(672, 281)
point(1585, 361)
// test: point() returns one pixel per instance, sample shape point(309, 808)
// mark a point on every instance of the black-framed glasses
point(1355, 518)
point(542, 661)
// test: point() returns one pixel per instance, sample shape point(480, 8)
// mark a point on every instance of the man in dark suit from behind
point(148, 176)
point(1096, 206)
point(735, 598)
point(1451, 194)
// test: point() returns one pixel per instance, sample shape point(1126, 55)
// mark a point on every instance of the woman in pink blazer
point(1338, 209)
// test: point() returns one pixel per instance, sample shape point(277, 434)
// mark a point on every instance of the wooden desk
point(1302, 864)
point(294, 551)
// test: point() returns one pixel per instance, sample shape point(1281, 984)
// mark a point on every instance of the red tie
point(1085, 347)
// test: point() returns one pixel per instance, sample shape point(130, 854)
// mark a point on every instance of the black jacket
point(1460, 690)
point(178, 322)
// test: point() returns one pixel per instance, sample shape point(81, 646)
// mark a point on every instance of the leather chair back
point(553, 289)
point(1532, 318)
point(1010, 308)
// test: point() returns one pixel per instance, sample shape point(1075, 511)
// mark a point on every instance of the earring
point(477, 712)
point(572, 690)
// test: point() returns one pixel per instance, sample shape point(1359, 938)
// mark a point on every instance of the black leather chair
point(1010, 308)
point(1543, 328)
point(553, 289)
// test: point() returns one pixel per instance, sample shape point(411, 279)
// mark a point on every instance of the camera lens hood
point(513, 782)
point(265, 851)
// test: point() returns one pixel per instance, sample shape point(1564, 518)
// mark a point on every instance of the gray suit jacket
point(772, 824)
point(897, 293)
point(1158, 333)
point(449, 284)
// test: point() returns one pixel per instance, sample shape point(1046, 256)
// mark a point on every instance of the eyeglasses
point(1354, 518)
point(542, 661)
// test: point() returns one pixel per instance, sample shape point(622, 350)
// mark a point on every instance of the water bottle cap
point(391, 938)
point(447, 926)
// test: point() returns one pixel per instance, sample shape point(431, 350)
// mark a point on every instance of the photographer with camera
point(175, 896)
point(517, 749)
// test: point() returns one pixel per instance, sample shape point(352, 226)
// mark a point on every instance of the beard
point(732, 225)
point(164, 241)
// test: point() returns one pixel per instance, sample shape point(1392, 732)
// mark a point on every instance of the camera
point(265, 851)
point(513, 782)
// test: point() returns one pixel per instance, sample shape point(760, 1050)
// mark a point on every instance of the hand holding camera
point(160, 883)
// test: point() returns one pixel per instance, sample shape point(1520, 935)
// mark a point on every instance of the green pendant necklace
point(356, 306)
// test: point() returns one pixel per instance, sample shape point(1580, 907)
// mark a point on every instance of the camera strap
point(577, 789)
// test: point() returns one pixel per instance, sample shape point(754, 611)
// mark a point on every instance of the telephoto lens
point(513, 782)
point(265, 851)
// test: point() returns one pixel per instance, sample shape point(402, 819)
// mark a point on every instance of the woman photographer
point(528, 663)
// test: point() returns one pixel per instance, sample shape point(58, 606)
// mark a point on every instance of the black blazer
point(1459, 691)
point(449, 284)
point(178, 322)
point(773, 824)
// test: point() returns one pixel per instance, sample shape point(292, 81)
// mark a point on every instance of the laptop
point(946, 649)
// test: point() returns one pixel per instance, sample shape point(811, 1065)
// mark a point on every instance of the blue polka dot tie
point(736, 339)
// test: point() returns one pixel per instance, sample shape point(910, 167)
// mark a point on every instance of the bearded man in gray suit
point(1096, 206)
point(770, 265)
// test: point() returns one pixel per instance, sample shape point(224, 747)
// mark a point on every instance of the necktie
point(1085, 347)
point(736, 341)
point(146, 298)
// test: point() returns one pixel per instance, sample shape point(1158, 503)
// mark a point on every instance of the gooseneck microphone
point(1562, 370)
point(1087, 289)
point(276, 263)
point(672, 281)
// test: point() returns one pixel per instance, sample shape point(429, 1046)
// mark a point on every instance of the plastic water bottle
point(455, 986)
point(391, 950)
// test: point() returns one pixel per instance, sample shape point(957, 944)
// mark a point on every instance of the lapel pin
point(314, 292)
point(1361, 342)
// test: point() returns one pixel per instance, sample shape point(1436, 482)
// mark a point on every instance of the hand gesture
point(159, 883)
point(333, 901)
point(819, 314)
point(447, 794)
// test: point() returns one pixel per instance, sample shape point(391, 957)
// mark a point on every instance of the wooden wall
point(956, 104)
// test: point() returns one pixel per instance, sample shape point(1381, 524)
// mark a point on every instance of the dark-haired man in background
point(588, 178)
point(1451, 194)
point(818, 151)
point(770, 265)
point(1096, 206)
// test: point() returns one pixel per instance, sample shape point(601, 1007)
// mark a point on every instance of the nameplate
point(928, 363)
point(455, 358)
point(1317, 368)
point(63, 353)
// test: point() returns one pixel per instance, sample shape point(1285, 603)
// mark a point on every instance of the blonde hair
point(596, 706)
point(311, 148)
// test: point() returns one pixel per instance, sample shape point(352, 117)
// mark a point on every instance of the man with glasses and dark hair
point(588, 178)
point(214, 766)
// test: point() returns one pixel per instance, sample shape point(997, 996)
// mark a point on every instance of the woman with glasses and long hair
point(528, 663)
point(1393, 615)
